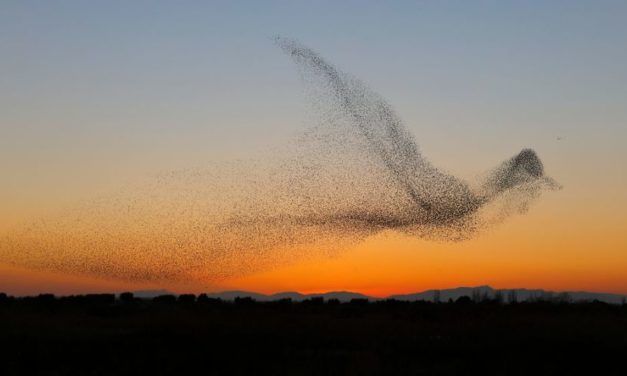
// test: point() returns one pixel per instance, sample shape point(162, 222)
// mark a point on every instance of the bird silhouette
point(437, 198)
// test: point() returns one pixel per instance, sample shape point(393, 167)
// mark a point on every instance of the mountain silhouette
point(477, 292)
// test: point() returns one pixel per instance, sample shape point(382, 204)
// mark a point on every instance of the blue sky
point(92, 93)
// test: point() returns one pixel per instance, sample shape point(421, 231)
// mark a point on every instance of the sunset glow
point(122, 145)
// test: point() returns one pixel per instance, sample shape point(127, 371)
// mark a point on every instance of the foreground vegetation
point(105, 334)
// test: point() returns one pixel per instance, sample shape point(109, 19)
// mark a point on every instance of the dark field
point(101, 335)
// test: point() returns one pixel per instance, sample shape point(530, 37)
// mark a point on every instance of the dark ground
point(101, 335)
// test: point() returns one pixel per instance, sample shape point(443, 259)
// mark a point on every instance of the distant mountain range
point(475, 293)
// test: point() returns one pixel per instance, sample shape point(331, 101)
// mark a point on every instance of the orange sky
point(521, 253)
point(537, 250)
point(93, 98)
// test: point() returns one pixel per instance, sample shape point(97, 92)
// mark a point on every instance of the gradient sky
point(96, 94)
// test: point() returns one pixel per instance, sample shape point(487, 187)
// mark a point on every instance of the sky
point(95, 95)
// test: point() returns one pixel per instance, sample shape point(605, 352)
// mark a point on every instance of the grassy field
point(102, 335)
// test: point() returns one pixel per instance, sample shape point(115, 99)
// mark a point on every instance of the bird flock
point(354, 173)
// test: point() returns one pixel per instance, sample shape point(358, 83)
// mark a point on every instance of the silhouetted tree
point(202, 298)
point(283, 302)
point(512, 296)
point(102, 299)
point(187, 298)
point(547, 296)
point(563, 297)
point(498, 296)
point(246, 300)
point(476, 295)
point(464, 300)
point(127, 297)
point(436, 296)
point(46, 298)
point(485, 296)
point(317, 300)
point(164, 299)
point(359, 301)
